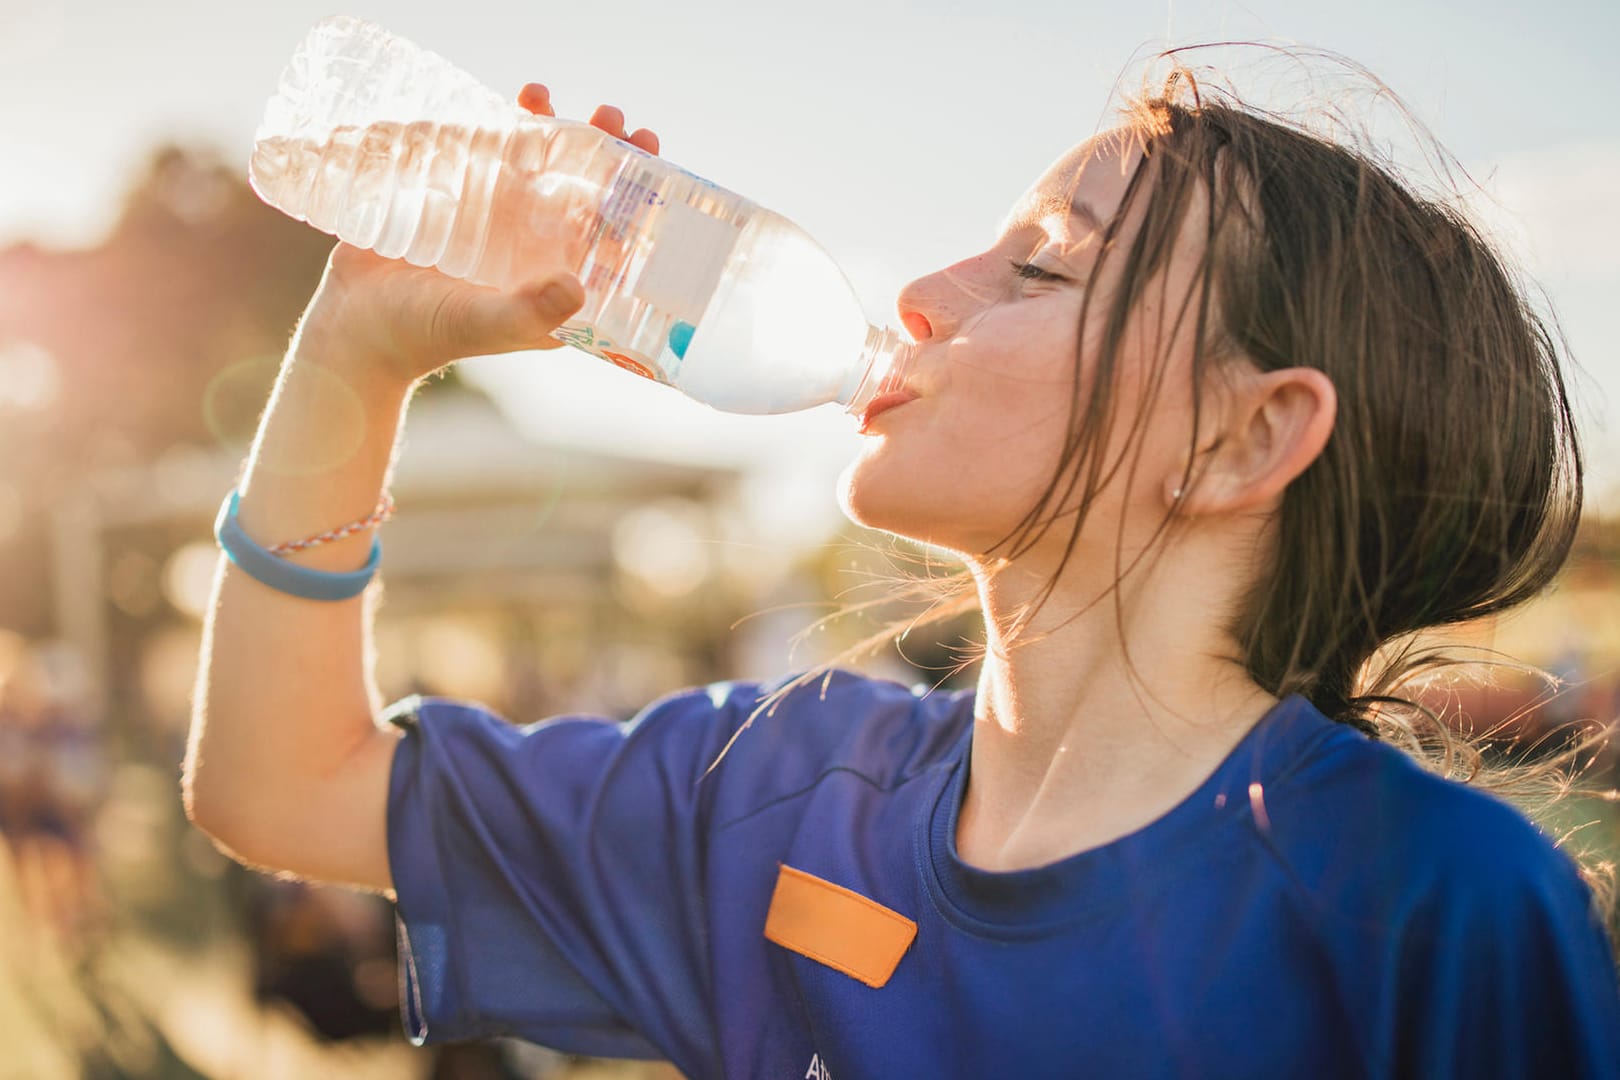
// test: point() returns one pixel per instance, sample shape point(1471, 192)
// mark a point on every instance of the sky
point(897, 133)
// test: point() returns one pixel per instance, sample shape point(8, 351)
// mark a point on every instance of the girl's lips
point(883, 403)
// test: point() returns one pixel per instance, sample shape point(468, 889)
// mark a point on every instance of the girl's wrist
point(329, 338)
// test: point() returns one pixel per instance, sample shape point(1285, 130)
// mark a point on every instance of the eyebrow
point(1075, 207)
point(1086, 212)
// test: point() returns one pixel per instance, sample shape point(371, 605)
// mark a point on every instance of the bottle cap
point(884, 366)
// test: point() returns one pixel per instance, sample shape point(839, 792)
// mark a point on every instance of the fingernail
point(557, 299)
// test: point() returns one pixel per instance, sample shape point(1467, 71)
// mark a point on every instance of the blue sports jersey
point(1320, 906)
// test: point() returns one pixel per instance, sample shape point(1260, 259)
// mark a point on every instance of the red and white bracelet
point(384, 511)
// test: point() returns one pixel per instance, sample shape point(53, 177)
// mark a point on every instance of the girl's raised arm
point(285, 766)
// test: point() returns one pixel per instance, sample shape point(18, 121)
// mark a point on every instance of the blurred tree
point(168, 333)
point(196, 277)
point(1598, 544)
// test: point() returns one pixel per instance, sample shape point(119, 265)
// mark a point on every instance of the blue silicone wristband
point(282, 575)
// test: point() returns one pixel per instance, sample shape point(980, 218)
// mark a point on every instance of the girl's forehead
point(1088, 182)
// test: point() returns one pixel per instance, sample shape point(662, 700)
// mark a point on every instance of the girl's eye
point(1034, 273)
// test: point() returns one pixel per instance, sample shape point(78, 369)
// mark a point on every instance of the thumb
point(523, 318)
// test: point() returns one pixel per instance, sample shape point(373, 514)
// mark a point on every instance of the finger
point(536, 98)
point(609, 119)
point(482, 321)
point(533, 312)
point(645, 139)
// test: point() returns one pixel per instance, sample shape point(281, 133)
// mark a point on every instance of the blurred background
point(570, 538)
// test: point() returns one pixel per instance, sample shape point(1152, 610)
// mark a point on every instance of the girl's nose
point(925, 307)
point(916, 324)
point(936, 305)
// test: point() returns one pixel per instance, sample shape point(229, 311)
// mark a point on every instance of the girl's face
point(961, 464)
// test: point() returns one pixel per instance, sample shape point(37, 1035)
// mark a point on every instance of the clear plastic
point(390, 147)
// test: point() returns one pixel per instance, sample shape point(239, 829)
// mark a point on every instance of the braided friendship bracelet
point(279, 573)
point(384, 511)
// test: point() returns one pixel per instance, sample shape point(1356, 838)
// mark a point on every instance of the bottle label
point(638, 191)
point(584, 336)
point(686, 262)
point(662, 241)
point(628, 204)
point(693, 227)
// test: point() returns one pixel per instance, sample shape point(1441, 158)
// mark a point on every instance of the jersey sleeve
point(1510, 974)
point(549, 878)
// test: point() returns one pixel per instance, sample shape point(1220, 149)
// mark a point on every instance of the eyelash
point(1034, 273)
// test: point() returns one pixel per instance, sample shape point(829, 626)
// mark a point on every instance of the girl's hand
point(537, 99)
point(405, 322)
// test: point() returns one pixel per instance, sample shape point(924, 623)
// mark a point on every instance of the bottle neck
point(884, 364)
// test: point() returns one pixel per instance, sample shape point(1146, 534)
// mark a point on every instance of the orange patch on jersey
point(837, 927)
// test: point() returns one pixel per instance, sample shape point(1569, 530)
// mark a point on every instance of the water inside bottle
point(783, 329)
point(686, 283)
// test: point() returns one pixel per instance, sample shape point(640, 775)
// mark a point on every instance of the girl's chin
point(850, 492)
point(896, 512)
point(862, 504)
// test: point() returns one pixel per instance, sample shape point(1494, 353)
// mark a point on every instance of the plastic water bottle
point(390, 147)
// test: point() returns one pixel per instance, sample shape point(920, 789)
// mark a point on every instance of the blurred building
point(533, 578)
point(508, 567)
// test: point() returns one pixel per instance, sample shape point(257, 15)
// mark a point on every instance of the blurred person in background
point(1225, 409)
point(52, 780)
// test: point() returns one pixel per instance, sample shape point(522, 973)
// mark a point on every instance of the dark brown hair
point(1451, 486)
point(1451, 489)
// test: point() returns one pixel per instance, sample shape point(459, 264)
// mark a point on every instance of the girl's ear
point(1275, 423)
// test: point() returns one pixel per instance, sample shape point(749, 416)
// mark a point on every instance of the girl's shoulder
point(786, 735)
point(739, 735)
point(1446, 912)
point(1365, 827)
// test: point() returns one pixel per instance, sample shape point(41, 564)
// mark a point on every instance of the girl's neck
point(1100, 715)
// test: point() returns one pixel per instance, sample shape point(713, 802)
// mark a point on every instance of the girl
point(1223, 410)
